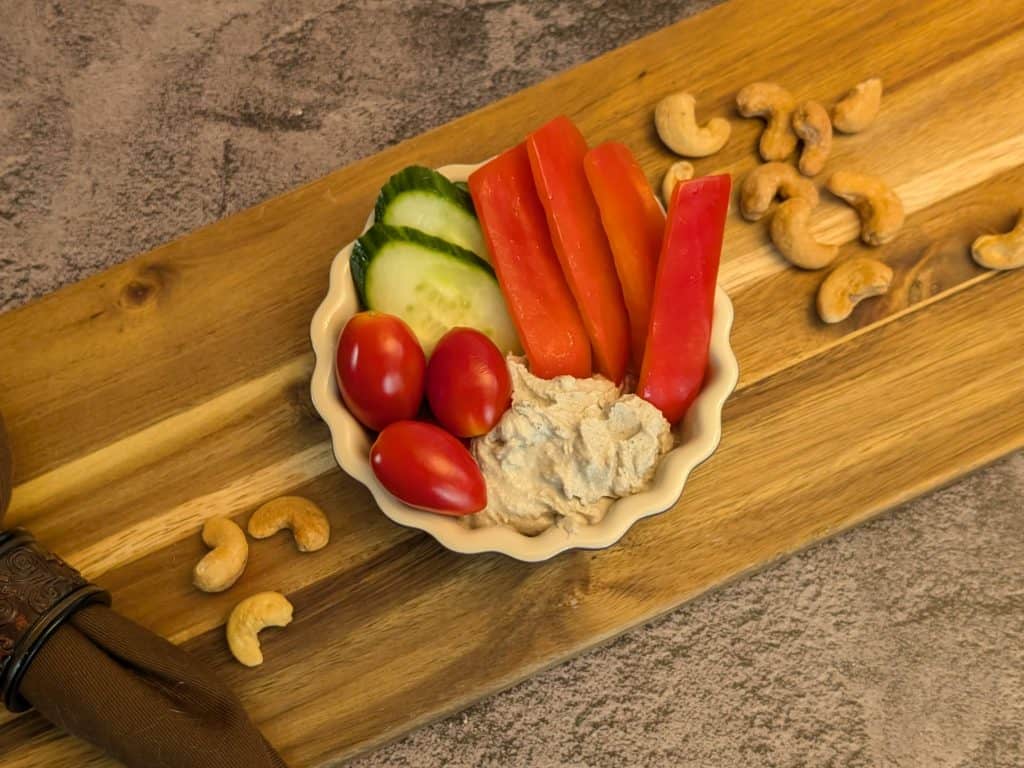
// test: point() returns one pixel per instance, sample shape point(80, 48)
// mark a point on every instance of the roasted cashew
point(306, 520)
point(792, 236)
point(775, 104)
point(264, 609)
point(848, 284)
point(223, 564)
point(676, 120)
point(880, 210)
point(761, 185)
point(812, 126)
point(858, 108)
point(677, 172)
point(1004, 251)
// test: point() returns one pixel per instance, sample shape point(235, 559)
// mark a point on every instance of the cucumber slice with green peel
point(431, 284)
point(424, 199)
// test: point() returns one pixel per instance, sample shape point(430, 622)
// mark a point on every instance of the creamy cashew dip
point(564, 451)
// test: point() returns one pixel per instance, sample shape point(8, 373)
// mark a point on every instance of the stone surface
point(125, 124)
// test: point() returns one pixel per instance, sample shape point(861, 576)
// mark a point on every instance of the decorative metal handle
point(38, 592)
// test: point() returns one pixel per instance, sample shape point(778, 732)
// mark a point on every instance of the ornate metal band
point(38, 591)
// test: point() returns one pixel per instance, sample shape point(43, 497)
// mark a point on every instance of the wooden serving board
point(175, 387)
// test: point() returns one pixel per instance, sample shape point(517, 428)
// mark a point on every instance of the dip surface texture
point(564, 450)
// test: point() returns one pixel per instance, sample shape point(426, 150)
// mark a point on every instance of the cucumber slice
point(431, 284)
point(423, 199)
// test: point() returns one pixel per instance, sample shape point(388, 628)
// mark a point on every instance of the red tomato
point(426, 467)
point(468, 386)
point(380, 367)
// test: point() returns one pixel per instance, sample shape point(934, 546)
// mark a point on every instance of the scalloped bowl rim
point(700, 435)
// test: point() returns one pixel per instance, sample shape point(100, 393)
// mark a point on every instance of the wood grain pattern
point(174, 388)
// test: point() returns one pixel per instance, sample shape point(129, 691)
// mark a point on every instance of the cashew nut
point(850, 283)
point(676, 120)
point(761, 185)
point(677, 172)
point(858, 108)
point(811, 124)
point(1004, 251)
point(775, 104)
point(306, 520)
point(880, 210)
point(264, 609)
point(222, 565)
point(792, 236)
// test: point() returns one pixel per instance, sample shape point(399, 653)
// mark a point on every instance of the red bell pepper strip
point(524, 259)
point(676, 356)
point(634, 224)
point(556, 156)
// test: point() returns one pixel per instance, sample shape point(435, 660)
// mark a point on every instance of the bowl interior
point(696, 437)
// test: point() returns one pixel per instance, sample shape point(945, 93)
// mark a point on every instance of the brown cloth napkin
point(133, 694)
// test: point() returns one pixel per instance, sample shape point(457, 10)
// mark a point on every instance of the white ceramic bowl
point(697, 436)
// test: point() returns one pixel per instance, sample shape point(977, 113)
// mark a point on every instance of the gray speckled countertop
point(124, 124)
